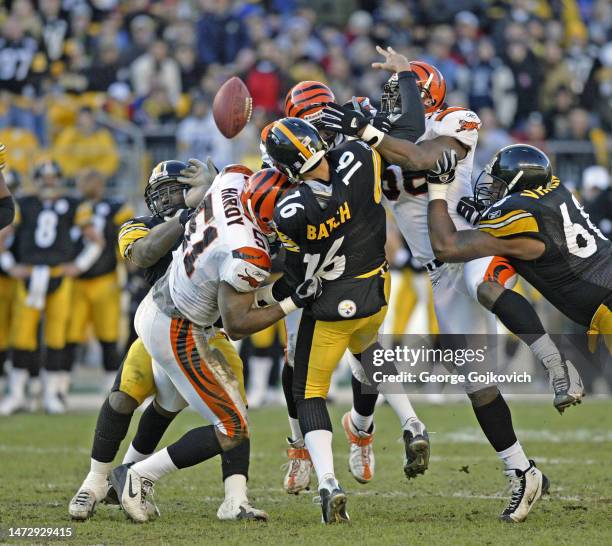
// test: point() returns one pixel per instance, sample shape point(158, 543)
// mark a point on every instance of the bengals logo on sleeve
point(465, 125)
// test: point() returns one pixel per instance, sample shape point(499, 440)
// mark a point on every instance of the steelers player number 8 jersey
point(575, 271)
point(339, 238)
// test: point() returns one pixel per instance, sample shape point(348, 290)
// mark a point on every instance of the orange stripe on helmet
point(307, 98)
point(431, 83)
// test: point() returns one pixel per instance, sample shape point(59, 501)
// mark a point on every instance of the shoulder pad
point(508, 217)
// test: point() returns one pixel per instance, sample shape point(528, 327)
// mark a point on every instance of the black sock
point(496, 422)
point(236, 460)
point(2, 361)
point(110, 356)
point(151, 428)
point(364, 403)
point(54, 360)
point(27, 360)
point(69, 356)
point(519, 316)
point(194, 447)
point(313, 415)
point(111, 429)
point(287, 377)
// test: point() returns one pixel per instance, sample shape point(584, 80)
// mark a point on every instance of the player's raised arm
point(7, 206)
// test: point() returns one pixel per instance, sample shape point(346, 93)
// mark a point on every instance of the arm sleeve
point(411, 123)
point(7, 211)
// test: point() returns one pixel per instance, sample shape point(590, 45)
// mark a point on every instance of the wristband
point(288, 305)
point(437, 191)
point(372, 136)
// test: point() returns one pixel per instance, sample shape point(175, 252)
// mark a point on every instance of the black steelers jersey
point(575, 271)
point(108, 216)
point(137, 228)
point(44, 230)
point(343, 243)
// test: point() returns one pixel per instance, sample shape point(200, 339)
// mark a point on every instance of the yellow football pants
point(7, 294)
point(25, 320)
point(95, 301)
point(601, 325)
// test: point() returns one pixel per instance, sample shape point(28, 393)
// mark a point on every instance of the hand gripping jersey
point(136, 229)
point(341, 242)
point(108, 215)
point(43, 229)
point(575, 271)
point(220, 245)
point(406, 196)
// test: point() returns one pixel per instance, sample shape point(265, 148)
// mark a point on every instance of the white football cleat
point(53, 405)
point(299, 468)
point(233, 509)
point(527, 487)
point(12, 404)
point(134, 492)
point(83, 504)
point(361, 451)
point(567, 384)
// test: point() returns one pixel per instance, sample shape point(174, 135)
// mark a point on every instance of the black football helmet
point(295, 147)
point(48, 179)
point(513, 169)
point(164, 194)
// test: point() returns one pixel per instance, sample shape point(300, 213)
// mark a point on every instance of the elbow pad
point(7, 211)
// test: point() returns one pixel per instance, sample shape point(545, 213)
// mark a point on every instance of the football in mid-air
point(232, 107)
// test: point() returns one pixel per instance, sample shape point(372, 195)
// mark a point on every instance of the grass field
point(43, 460)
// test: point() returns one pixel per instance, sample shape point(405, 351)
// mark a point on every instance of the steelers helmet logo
point(347, 308)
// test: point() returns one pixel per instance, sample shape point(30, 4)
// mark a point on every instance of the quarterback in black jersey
point(148, 243)
point(333, 229)
point(535, 222)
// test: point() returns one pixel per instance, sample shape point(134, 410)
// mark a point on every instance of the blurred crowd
point(75, 73)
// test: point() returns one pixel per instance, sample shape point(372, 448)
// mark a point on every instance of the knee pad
point(496, 269)
point(122, 402)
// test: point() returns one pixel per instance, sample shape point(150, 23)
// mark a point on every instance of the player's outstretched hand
point(342, 119)
point(394, 61)
point(307, 292)
point(198, 173)
point(470, 209)
point(444, 171)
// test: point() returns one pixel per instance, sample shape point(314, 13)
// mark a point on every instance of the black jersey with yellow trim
point(575, 271)
point(44, 229)
point(137, 228)
point(341, 241)
point(109, 215)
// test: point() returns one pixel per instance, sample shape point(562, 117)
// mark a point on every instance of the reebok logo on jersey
point(465, 125)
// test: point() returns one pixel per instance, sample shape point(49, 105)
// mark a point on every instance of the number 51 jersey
point(220, 244)
point(338, 237)
point(575, 271)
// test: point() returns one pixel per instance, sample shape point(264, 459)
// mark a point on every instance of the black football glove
point(381, 122)
point(307, 292)
point(342, 119)
point(444, 171)
point(470, 209)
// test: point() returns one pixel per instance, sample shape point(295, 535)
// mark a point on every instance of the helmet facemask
point(390, 100)
point(166, 198)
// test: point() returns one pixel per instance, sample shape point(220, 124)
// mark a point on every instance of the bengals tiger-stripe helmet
point(260, 194)
point(430, 82)
point(307, 99)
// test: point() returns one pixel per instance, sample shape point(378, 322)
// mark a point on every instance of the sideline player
point(45, 261)
point(7, 206)
point(457, 309)
point(534, 221)
point(223, 259)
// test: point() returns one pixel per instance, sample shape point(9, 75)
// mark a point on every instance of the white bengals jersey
point(220, 244)
point(410, 208)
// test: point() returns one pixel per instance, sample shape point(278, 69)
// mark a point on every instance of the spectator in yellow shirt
point(85, 146)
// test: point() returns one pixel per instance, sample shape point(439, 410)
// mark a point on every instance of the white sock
point(546, 351)
point(64, 383)
point(98, 473)
point(51, 384)
point(132, 455)
point(109, 381)
point(236, 487)
point(319, 445)
point(514, 457)
point(17, 382)
point(259, 368)
point(361, 422)
point(296, 431)
point(156, 466)
point(402, 407)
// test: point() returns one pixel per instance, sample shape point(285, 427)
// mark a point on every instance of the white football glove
point(199, 174)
